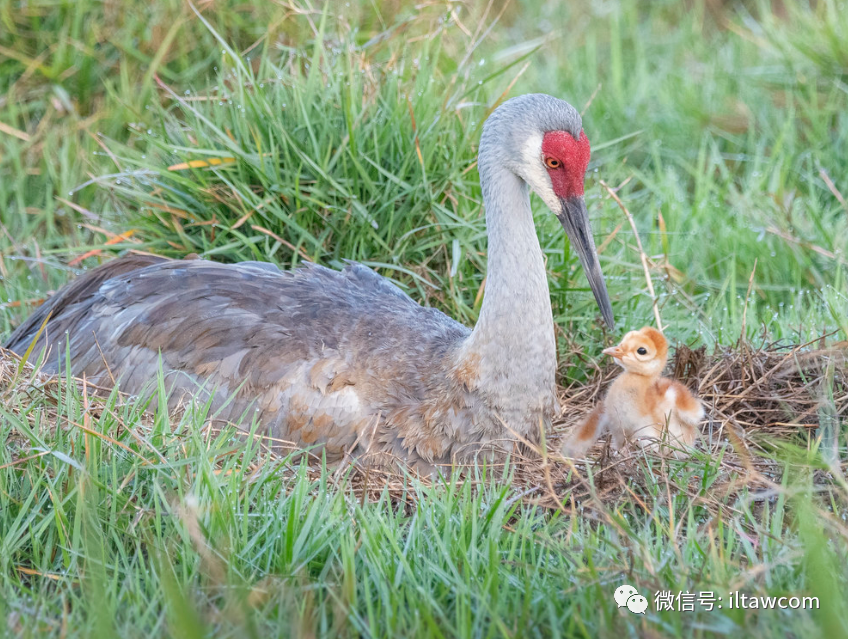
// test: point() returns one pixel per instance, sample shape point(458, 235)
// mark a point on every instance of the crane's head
point(541, 139)
point(643, 352)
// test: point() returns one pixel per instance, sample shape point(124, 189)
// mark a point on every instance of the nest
point(755, 397)
point(776, 389)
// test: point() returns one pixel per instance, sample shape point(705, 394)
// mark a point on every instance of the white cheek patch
point(531, 152)
point(536, 176)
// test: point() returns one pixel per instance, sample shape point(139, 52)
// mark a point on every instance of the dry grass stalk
point(754, 395)
point(642, 255)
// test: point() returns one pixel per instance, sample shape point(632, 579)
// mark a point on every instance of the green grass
point(172, 530)
point(353, 133)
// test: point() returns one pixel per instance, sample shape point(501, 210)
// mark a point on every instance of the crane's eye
point(642, 350)
point(552, 163)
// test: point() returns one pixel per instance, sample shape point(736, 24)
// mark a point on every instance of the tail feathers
point(690, 417)
point(684, 413)
point(582, 438)
point(687, 408)
point(77, 292)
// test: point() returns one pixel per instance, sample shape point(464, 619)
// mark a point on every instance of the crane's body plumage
point(343, 360)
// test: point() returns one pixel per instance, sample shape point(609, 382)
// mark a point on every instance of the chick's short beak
point(575, 220)
point(614, 351)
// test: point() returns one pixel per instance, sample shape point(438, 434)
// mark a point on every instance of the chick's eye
point(552, 163)
point(642, 350)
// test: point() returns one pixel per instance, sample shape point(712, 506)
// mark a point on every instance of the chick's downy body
point(641, 406)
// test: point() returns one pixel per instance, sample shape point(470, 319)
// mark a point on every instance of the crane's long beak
point(575, 220)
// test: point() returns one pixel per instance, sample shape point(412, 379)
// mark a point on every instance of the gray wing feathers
point(316, 354)
point(77, 292)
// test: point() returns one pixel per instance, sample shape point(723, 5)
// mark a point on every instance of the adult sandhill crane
point(346, 360)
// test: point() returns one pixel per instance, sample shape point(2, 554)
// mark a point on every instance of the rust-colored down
point(344, 360)
point(641, 406)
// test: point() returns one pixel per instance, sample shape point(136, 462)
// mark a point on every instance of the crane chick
point(641, 406)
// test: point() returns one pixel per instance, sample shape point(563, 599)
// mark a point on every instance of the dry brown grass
point(755, 398)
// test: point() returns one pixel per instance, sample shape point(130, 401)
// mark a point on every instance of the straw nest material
point(756, 397)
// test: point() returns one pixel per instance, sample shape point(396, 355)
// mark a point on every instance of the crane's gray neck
point(513, 342)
